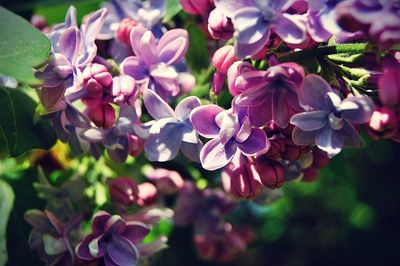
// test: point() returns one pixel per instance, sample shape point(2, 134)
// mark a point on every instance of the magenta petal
point(173, 46)
point(122, 252)
point(214, 155)
point(185, 106)
point(156, 106)
point(244, 131)
point(280, 110)
point(203, 120)
point(312, 94)
point(389, 88)
point(135, 231)
point(258, 120)
point(256, 144)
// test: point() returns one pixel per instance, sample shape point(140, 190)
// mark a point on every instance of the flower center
point(335, 120)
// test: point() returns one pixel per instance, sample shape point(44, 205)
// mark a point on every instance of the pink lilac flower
point(231, 132)
point(253, 21)
point(171, 130)
point(154, 60)
point(219, 26)
point(269, 95)
point(113, 240)
point(167, 181)
point(328, 121)
point(123, 190)
point(222, 59)
point(389, 83)
point(378, 19)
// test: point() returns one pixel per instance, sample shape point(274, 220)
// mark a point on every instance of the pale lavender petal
point(301, 137)
point(256, 144)
point(214, 155)
point(93, 134)
point(167, 77)
point(122, 252)
point(173, 46)
point(133, 67)
point(228, 123)
point(185, 106)
point(165, 145)
point(203, 120)
point(250, 25)
point(191, 150)
point(136, 36)
point(245, 49)
point(135, 231)
point(332, 101)
point(310, 121)
point(70, 18)
point(279, 5)
point(189, 135)
point(244, 131)
point(312, 94)
point(357, 109)
point(93, 25)
point(156, 106)
point(329, 140)
point(148, 48)
point(291, 28)
point(70, 43)
point(350, 136)
point(230, 7)
point(315, 28)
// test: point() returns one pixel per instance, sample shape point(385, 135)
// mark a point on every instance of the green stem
point(348, 48)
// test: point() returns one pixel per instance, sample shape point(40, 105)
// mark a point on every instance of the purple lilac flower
point(72, 50)
point(113, 240)
point(253, 21)
point(379, 19)
point(116, 139)
point(147, 14)
point(328, 120)
point(269, 95)
point(321, 23)
point(50, 238)
point(205, 209)
point(154, 61)
point(171, 130)
point(231, 132)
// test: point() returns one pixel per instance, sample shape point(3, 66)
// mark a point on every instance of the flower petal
point(133, 67)
point(192, 150)
point(301, 137)
point(312, 93)
point(173, 46)
point(136, 38)
point(214, 155)
point(357, 109)
point(135, 231)
point(185, 106)
point(70, 43)
point(165, 145)
point(291, 28)
point(156, 106)
point(250, 25)
point(148, 48)
point(351, 137)
point(256, 144)
point(310, 121)
point(99, 222)
point(203, 120)
point(122, 252)
point(329, 140)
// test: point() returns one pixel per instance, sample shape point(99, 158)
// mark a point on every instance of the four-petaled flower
point(328, 123)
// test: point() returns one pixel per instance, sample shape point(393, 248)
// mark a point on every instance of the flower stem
point(347, 48)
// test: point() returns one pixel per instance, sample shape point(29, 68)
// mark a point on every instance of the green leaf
point(16, 123)
point(173, 8)
point(6, 204)
point(22, 47)
point(197, 56)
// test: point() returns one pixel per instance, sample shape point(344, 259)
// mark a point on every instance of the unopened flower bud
point(102, 114)
point(96, 78)
point(220, 27)
point(389, 83)
point(240, 178)
point(275, 150)
point(124, 89)
point(310, 174)
point(292, 151)
point(167, 181)
point(39, 22)
point(147, 194)
point(223, 58)
point(234, 73)
point(320, 159)
point(123, 190)
point(136, 145)
point(383, 123)
point(197, 7)
point(272, 173)
point(124, 30)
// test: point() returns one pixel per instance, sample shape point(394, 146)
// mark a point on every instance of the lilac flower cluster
point(285, 98)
